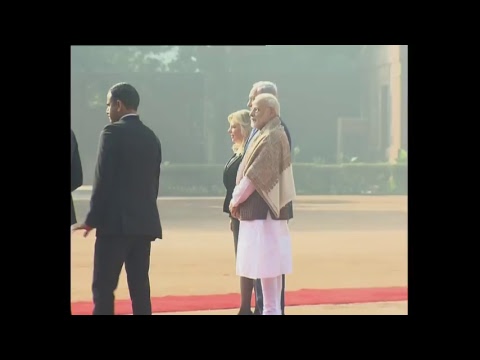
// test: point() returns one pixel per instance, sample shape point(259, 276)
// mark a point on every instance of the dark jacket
point(290, 204)
point(287, 132)
point(76, 174)
point(125, 190)
point(229, 179)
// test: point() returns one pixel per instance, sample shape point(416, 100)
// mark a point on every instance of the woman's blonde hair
point(242, 118)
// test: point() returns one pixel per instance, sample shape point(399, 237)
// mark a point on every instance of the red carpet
point(232, 301)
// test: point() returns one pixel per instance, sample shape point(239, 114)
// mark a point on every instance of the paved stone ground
point(380, 308)
point(338, 242)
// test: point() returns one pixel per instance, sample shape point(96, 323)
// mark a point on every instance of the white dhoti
point(264, 251)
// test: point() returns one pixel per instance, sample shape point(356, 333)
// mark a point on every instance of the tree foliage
point(115, 59)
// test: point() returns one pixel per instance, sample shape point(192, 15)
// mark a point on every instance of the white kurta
point(264, 246)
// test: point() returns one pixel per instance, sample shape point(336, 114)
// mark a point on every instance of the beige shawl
point(268, 165)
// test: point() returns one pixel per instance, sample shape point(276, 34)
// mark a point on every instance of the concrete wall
point(404, 100)
point(385, 102)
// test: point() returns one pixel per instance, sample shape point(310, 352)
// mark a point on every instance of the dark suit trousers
point(236, 230)
point(259, 296)
point(110, 255)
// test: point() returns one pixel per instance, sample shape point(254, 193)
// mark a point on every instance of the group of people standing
point(259, 192)
point(124, 212)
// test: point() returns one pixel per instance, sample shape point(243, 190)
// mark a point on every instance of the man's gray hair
point(266, 87)
point(271, 101)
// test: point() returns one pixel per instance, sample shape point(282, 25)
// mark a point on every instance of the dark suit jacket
point(290, 204)
point(76, 173)
point(127, 175)
point(229, 179)
point(287, 132)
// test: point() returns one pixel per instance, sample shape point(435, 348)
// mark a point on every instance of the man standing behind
point(123, 207)
point(266, 87)
point(76, 173)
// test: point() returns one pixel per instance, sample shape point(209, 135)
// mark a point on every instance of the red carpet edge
point(232, 301)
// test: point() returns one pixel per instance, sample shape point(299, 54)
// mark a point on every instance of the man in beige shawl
point(265, 187)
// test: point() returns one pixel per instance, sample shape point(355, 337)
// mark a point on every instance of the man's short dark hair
point(127, 94)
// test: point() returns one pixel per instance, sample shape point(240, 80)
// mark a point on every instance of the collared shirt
point(131, 114)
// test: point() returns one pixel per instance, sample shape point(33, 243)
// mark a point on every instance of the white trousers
point(272, 294)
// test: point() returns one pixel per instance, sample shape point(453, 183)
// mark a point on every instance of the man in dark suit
point(76, 173)
point(123, 207)
point(266, 87)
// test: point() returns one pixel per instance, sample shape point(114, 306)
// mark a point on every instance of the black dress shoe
point(245, 312)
